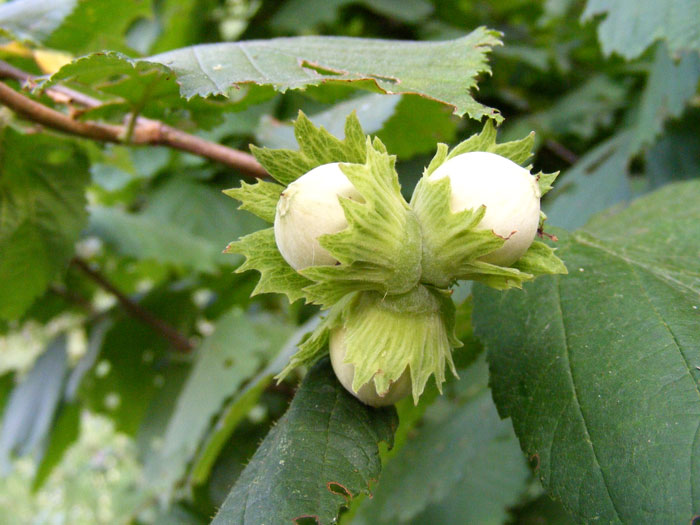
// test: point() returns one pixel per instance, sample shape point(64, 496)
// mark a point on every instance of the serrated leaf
point(463, 461)
point(276, 276)
point(127, 85)
point(259, 198)
point(321, 452)
point(443, 71)
point(42, 211)
point(316, 147)
point(630, 26)
point(235, 351)
point(596, 369)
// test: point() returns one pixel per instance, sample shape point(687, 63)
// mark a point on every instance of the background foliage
point(136, 369)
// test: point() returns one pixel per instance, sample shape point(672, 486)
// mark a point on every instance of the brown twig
point(561, 151)
point(146, 131)
point(179, 341)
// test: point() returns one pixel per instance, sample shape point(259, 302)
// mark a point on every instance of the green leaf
point(444, 71)
point(323, 451)
point(32, 20)
point(670, 85)
point(145, 237)
point(33, 404)
point(630, 26)
point(597, 181)
point(303, 15)
point(259, 198)
point(64, 433)
point(127, 85)
point(276, 276)
point(42, 210)
point(98, 25)
point(235, 351)
point(199, 210)
point(463, 461)
point(597, 368)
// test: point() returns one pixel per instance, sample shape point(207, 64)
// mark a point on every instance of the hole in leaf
point(534, 461)
point(695, 520)
point(321, 70)
point(307, 520)
point(337, 488)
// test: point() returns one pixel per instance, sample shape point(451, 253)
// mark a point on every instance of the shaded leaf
point(321, 452)
point(144, 237)
point(630, 26)
point(33, 20)
point(97, 25)
point(32, 406)
point(597, 368)
point(64, 433)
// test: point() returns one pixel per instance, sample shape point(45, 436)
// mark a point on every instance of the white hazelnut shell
point(367, 393)
point(308, 208)
point(509, 192)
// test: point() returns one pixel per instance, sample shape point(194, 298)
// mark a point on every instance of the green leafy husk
point(452, 244)
point(380, 248)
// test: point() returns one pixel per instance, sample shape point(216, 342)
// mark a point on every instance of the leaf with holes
point(321, 452)
point(598, 369)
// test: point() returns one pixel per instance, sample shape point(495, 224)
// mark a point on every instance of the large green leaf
point(235, 351)
point(598, 370)
point(42, 210)
point(630, 26)
point(321, 452)
point(463, 461)
point(445, 71)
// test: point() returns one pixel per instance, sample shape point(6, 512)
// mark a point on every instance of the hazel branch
point(146, 131)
